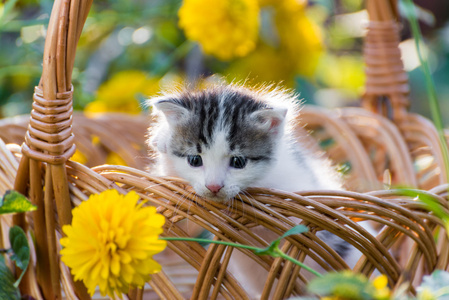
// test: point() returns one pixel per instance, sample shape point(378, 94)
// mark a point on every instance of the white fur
point(289, 175)
point(292, 169)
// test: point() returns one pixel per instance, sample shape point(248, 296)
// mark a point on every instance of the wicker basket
point(402, 149)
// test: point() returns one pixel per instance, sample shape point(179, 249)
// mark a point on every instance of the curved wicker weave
point(378, 151)
point(96, 136)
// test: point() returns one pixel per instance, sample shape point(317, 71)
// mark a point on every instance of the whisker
point(250, 199)
point(241, 200)
point(178, 205)
point(194, 199)
point(229, 205)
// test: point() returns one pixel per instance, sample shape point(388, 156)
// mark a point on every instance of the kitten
point(226, 138)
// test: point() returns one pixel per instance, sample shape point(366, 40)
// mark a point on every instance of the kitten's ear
point(270, 119)
point(159, 142)
point(173, 111)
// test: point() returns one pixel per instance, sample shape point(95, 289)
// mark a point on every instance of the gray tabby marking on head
point(234, 131)
point(210, 111)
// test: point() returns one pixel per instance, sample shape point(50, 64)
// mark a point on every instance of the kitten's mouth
point(223, 196)
point(217, 198)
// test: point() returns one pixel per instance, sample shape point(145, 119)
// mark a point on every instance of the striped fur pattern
point(242, 137)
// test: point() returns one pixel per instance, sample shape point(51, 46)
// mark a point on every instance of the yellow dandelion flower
point(224, 28)
point(119, 94)
point(111, 241)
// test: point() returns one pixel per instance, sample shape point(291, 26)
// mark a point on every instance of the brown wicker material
point(96, 137)
point(380, 152)
point(386, 81)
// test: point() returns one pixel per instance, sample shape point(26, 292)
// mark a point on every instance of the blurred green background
point(131, 50)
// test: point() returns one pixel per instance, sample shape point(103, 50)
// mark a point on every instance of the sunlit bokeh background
point(130, 50)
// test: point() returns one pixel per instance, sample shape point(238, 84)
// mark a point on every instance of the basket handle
point(49, 143)
point(386, 88)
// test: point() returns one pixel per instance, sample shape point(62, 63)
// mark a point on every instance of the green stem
point(276, 253)
point(430, 84)
point(297, 262)
point(207, 241)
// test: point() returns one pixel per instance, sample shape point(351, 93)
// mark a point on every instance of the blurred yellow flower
point(427, 294)
point(343, 72)
point(115, 159)
point(300, 38)
point(111, 241)
point(119, 93)
point(79, 157)
point(382, 292)
point(380, 282)
point(95, 140)
point(294, 48)
point(264, 65)
point(224, 28)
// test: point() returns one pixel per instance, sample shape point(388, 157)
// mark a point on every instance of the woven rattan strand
point(381, 145)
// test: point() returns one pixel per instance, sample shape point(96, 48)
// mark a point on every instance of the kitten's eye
point(194, 160)
point(238, 162)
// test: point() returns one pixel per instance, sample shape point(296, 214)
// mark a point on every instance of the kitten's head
point(221, 140)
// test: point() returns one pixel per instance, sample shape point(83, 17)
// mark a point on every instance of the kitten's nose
point(214, 188)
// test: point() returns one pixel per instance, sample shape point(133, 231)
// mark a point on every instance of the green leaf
point(9, 5)
point(270, 250)
point(14, 202)
point(7, 289)
point(429, 201)
point(21, 249)
point(298, 229)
